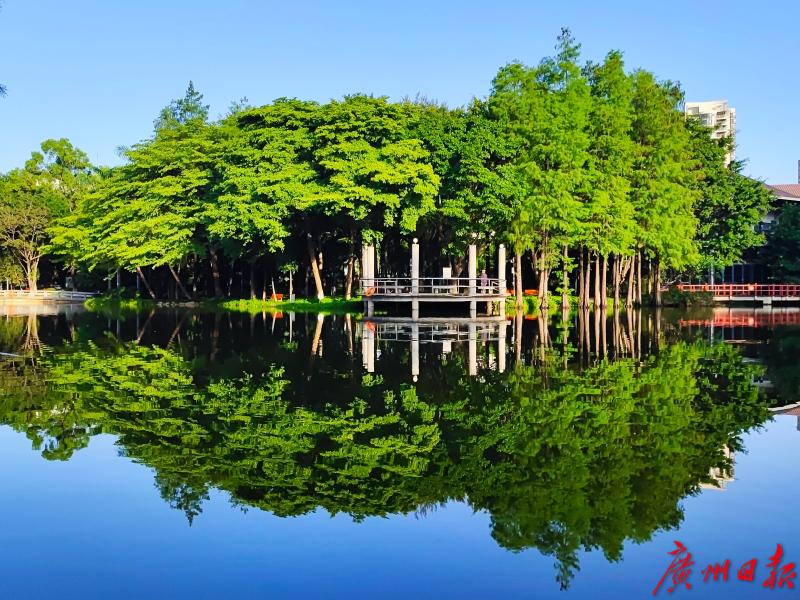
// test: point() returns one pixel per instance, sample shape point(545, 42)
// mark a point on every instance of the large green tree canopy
point(590, 170)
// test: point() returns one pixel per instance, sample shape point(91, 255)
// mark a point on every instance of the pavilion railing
point(436, 332)
point(55, 295)
point(431, 286)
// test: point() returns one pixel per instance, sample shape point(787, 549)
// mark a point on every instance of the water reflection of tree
point(563, 458)
point(781, 354)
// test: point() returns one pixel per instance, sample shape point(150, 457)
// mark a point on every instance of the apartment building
point(717, 115)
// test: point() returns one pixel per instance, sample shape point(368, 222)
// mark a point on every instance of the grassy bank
point(530, 305)
point(326, 306)
point(117, 304)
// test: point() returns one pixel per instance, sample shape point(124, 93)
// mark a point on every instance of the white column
point(415, 278)
point(501, 346)
point(370, 276)
point(501, 275)
point(368, 347)
point(414, 352)
point(364, 268)
point(371, 263)
point(473, 275)
point(473, 350)
point(415, 267)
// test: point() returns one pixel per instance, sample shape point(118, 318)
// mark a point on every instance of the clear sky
point(98, 71)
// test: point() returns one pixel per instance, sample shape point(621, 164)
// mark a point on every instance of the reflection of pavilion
point(446, 288)
point(434, 331)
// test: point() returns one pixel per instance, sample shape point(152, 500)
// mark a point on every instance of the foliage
point(731, 205)
point(782, 252)
point(561, 458)
point(26, 210)
point(11, 272)
point(663, 182)
point(569, 161)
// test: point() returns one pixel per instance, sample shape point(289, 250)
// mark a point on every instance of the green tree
point(11, 273)
point(663, 180)
point(782, 251)
point(373, 176)
point(546, 109)
point(50, 186)
point(266, 178)
point(73, 177)
point(610, 228)
point(26, 212)
point(478, 194)
point(731, 205)
point(148, 212)
point(183, 110)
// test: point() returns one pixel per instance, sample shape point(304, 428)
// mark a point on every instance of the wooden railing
point(773, 290)
point(54, 295)
point(431, 286)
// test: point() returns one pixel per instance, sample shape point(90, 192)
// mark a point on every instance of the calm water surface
point(187, 454)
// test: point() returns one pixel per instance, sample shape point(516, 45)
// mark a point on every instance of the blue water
point(94, 525)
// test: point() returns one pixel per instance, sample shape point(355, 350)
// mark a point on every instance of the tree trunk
point(631, 274)
point(291, 288)
point(639, 278)
point(351, 267)
point(32, 273)
point(564, 280)
point(252, 281)
point(312, 259)
point(581, 281)
point(657, 283)
point(348, 283)
point(617, 279)
point(212, 253)
point(587, 281)
point(544, 292)
point(603, 279)
point(597, 301)
point(178, 283)
point(518, 279)
point(264, 287)
point(144, 281)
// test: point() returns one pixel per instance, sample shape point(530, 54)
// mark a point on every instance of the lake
point(177, 453)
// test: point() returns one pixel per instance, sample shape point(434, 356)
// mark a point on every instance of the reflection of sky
point(95, 526)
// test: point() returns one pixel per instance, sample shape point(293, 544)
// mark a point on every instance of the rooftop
point(786, 191)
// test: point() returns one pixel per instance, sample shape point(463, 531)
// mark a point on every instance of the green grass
point(530, 305)
point(115, 304)
point(327, 306)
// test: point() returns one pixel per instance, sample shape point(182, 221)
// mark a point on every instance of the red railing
point(747, 320)
point(774, 290)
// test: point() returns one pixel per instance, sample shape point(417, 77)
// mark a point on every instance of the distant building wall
point(719, 116)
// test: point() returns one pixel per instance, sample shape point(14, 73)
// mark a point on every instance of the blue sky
point(98, 72)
